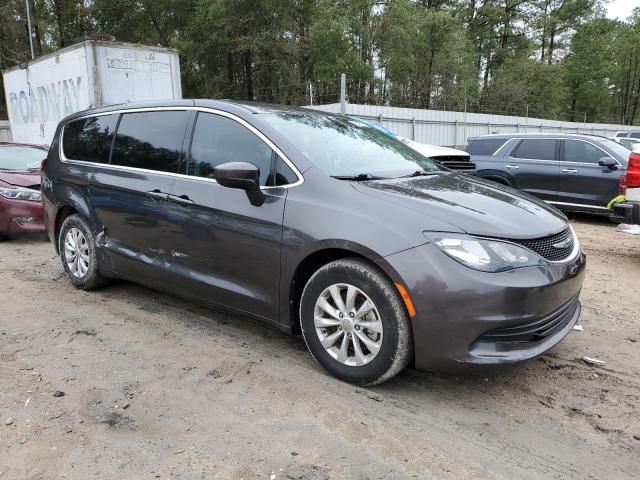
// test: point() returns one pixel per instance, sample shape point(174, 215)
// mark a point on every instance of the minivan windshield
point(347, 148)
point(21, 158)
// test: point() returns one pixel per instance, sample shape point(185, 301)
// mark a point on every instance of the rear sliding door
point(129, 194)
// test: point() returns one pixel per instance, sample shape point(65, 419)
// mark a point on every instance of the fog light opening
point(22, 220)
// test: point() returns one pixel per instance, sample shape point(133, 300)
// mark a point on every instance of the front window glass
point(583, 152)
point(21, 158)
point(345, 147)
point(218, 140)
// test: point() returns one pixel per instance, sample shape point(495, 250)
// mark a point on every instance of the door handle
point(569, 170)
point(157, 194)
point(512, 167)
point(181, 199)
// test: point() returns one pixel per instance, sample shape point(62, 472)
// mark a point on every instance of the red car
point(20, 199)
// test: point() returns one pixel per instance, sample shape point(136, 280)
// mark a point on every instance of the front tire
point(77, 247)
point(354, 323)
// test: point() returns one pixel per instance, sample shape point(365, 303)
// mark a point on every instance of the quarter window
point(538, 149)
point(89, 139)
point(218, 140)
point(485, 146)
point(284, 174)
point(582, 152)
point(150, 140)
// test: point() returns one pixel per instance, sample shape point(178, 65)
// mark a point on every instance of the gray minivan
point(572, 172)
point(318, 224)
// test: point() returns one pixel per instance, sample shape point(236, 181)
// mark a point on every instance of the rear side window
point(536, 149)
point(485, 146)
point(150, 140)
point(89, 139)
point(635, 135)
point(218, 139)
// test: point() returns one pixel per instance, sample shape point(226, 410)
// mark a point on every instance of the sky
point(621, 9)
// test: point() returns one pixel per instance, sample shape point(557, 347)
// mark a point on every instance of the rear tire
point(77, 245)
point(354, 323)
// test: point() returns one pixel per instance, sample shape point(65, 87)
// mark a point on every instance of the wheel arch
point(75, 203)
point(497, 176)
point(61, 215)
point(316, 259)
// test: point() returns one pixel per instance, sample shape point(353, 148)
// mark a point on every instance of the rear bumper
point(626, 212)
point(20, 216)
point(466, 318)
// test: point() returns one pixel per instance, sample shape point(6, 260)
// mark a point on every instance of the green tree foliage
point(545, 58)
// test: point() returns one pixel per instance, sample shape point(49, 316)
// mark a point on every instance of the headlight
point(17, 193)
point(485, 254)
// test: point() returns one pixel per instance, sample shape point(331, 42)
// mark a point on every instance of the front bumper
point(466, 318)
point(20, 216)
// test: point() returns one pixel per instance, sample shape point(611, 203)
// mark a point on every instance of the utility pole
point(30, 31)
point(343, 93)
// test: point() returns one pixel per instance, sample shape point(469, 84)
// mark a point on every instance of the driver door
point(226, 250)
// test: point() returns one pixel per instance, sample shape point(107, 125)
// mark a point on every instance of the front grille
point(533, 331)
point(454, 162)
point(545, 246)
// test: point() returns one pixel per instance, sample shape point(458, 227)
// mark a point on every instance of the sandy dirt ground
point(155, 387)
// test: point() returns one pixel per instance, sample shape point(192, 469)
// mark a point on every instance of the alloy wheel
point(348, 324)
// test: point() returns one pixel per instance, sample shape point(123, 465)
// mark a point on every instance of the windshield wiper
point(420, 173)
point(360, 177)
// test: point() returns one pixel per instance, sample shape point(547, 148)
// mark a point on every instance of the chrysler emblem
point(563, 244)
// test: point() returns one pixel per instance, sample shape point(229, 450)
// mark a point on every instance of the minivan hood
point(476, 206)
point(21, 179)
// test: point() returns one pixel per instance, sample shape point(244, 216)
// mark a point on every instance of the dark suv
point(318, 224)
point(573, 172)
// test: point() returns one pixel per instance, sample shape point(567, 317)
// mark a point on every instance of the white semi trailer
point(90, 74)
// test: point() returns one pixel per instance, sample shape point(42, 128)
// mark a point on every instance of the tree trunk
point(58, 6)
point(248, 74)
point(230, 78)
point(552, 44)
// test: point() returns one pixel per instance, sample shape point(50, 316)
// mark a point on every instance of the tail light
point(633, 170)
point(42, 164)
point(623, 184)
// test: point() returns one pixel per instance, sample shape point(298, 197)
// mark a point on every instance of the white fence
point(453, 128)
point(5, 131)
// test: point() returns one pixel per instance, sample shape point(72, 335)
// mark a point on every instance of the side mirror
point(608, 162)
point(242, 175)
